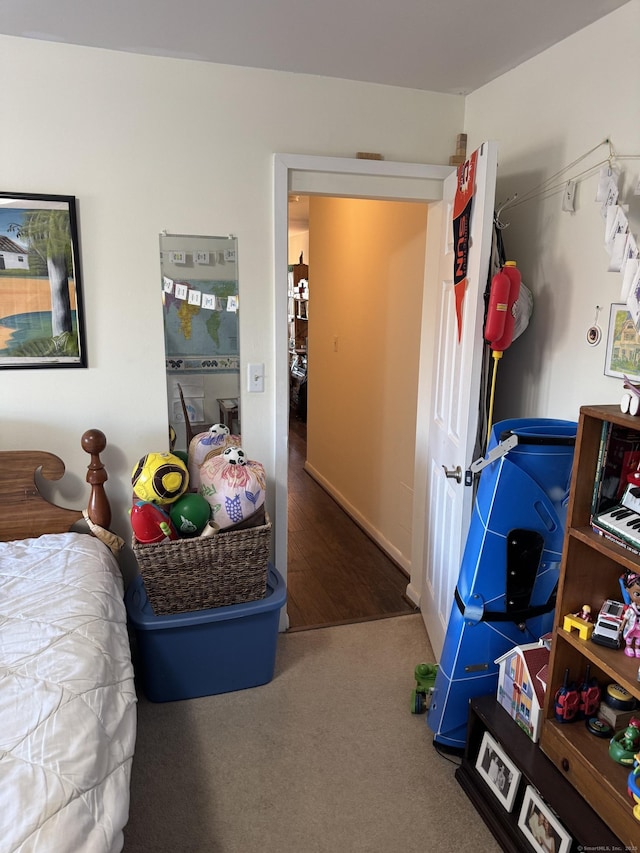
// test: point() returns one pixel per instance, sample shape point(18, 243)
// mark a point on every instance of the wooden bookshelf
point(590, 569)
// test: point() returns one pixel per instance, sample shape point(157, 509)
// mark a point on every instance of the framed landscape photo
point(41, 317)
point(500, 774)
point(540, 826)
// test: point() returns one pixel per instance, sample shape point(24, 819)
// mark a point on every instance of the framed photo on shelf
point(540, 826)
point(500, 774)
point(41, 317)
point(623, 344)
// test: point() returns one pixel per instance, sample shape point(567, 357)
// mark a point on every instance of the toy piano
point(622, 520)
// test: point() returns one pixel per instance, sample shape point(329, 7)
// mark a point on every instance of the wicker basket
point(199, 573)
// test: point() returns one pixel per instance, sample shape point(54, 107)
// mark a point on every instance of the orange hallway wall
point(366, 282)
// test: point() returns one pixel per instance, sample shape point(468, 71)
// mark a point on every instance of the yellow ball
point(160, 477)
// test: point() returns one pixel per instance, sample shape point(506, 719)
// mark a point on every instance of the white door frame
point(334, 176)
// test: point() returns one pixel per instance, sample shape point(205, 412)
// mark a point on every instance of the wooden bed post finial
point(94, 442)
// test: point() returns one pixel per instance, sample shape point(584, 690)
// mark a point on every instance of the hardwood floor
point(335, 572)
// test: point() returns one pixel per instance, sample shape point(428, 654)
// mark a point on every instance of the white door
point(455, 395)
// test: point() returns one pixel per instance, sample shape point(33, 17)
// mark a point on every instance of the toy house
point(522, 683)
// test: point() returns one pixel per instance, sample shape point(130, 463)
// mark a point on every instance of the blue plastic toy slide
point(505, 595)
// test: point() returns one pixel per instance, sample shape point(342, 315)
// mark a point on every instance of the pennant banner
point(461, 225)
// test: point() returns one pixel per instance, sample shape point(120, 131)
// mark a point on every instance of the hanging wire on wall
point(553, 185)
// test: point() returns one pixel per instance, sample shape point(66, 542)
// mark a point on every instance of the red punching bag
point(497, 308)
point(513, 275)
point(500, 322)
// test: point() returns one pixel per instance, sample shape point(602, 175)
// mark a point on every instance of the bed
point(67, 696)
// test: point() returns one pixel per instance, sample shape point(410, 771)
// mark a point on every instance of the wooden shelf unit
point(590, 569)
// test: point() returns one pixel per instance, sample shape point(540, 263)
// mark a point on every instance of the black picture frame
point(41, 306)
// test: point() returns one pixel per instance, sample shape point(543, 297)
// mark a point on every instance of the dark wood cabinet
point(582, 822)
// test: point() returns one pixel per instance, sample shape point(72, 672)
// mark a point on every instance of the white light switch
point(255, 378)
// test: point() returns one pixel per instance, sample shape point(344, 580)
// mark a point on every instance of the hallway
point(336, 573)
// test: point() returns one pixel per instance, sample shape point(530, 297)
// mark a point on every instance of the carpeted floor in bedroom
point(325, 758)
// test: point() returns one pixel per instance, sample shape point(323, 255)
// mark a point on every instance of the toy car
point(609, 624)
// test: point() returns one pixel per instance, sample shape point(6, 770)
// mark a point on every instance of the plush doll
point(630, 585)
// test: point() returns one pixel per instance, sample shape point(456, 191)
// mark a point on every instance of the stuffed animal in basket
point(205, 446)
point(233, 485)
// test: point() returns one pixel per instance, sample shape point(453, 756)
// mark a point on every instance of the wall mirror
point(200, 312)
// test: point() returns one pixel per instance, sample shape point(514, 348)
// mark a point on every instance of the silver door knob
point(454, 473)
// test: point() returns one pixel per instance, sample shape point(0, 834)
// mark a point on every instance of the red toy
point(589, 695)
point(567, 701)
point(150, 523)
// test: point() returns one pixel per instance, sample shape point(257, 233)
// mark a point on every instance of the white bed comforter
point(67, 697)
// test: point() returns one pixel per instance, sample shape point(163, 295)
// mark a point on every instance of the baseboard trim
point(372, 532)
point(412, 595)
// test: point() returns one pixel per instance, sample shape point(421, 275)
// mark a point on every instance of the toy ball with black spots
point(234, 456)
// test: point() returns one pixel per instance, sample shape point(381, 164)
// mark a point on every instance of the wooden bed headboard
point(25, 513)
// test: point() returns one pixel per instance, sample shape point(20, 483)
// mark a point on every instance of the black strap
point(516, 616)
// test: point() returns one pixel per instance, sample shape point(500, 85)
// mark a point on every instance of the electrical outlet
point(255, 378)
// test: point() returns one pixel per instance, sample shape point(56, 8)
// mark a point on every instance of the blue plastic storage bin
point(204, 652)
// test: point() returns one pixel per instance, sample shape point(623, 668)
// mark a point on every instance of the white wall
point(147, 144)
point(544, 115)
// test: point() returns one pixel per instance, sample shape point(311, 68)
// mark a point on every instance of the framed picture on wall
point(540, 826)
point(41, 317)
point(623, 344)
point(500, 774)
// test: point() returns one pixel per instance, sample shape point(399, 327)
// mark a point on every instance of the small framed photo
point(540, 826)
point(623, 344)
point(500, 774)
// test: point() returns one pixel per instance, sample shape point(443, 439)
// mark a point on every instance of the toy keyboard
point(623, 520)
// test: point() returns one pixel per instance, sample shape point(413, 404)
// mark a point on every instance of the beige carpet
point(327, 757)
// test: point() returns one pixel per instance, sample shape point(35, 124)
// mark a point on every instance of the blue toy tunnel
point(505, 595)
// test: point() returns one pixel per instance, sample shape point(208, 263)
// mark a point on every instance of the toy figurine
point(425, 675)
point(585, 613)
point(624, 745)
point(630, 585)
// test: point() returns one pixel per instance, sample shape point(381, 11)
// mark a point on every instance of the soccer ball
point(218, 429)
point(234, 456)
point(160, 477)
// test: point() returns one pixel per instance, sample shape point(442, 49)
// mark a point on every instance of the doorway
point(347, 177)
point(365, 289)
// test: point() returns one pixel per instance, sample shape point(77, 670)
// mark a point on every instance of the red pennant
point(461, 227)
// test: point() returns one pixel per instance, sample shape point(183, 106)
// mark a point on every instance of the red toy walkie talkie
point(589, 695)
point(567, 702)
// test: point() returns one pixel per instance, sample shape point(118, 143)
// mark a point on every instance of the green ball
point(182, 454)
point(189, 514)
